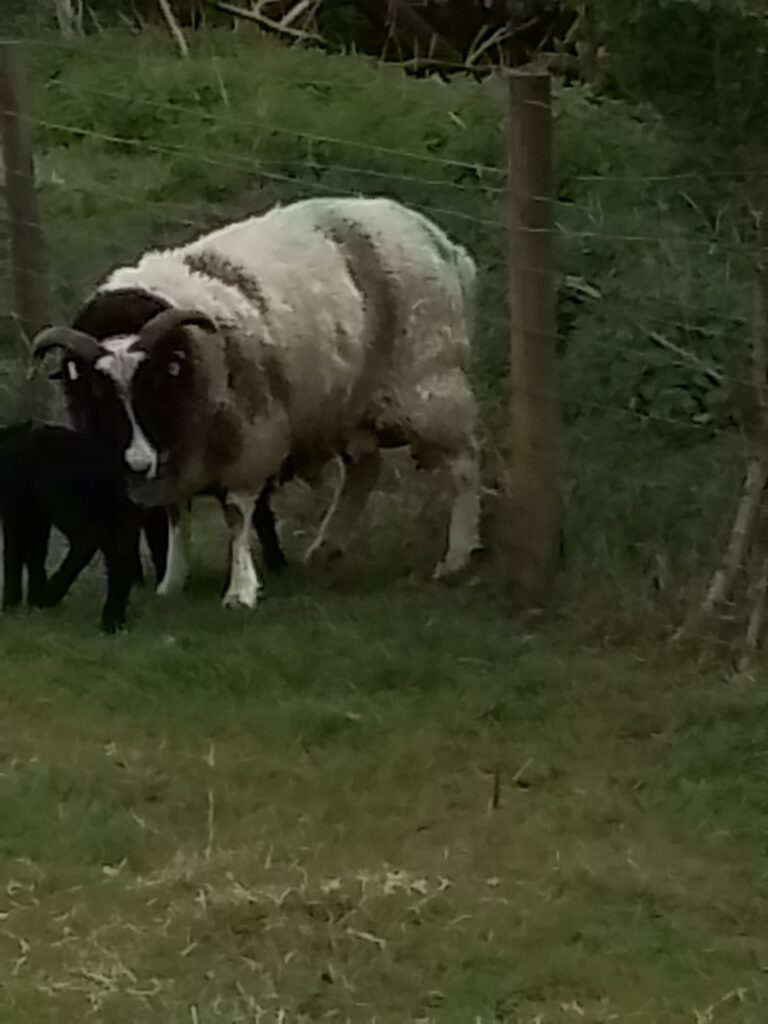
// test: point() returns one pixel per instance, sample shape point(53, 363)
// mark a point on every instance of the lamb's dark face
point(94, 402)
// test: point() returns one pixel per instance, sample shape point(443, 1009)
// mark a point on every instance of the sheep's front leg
point(154, 524)
point(244, 586)
point(357, 478)
point(38, 537)
point(13, 562)
point(464, 528)
point(119, 557)
point(177, 564)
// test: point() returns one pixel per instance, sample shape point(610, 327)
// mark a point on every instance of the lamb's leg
point(177, 566)
point(119, 557)
point(357, 479)
point(81, 551)
point(38, 537)
point(13, 562)
point(244, 586)
point(464, 528)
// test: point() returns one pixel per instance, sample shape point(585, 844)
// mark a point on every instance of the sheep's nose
point(141, 460)
point(138, 462)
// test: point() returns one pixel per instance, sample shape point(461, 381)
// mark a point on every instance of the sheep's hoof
point(167, 588)
point(453, 565)
point(241, 600)
point(112, 626)
point(323, 553)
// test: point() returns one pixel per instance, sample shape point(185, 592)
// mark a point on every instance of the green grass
point(290, 815)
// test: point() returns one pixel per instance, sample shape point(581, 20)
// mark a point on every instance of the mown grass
point(374, 799)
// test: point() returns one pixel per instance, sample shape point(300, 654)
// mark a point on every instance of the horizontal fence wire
point(497, 224)
point(681, 358)
point(651, 355)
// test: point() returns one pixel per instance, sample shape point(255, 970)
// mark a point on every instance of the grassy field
point(378, 798)
point(374, 799)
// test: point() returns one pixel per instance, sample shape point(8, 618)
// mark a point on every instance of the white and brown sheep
point(326, 327)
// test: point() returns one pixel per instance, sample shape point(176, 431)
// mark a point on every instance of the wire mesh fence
point(624, 818)
point(654, 291)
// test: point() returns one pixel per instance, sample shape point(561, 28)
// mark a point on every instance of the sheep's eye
point(71, 370)
point(174, 368)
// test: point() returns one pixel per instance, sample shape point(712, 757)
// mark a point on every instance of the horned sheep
point(323, 328)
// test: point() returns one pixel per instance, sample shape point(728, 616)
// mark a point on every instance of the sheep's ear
point(37, 365)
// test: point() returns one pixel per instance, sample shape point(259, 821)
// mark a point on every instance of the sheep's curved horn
point(77, 342)
point(156, 328)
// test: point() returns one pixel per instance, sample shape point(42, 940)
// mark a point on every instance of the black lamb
point(54, 476)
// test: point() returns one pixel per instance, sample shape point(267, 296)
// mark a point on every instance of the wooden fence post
point(32, 300)
point(532, 493)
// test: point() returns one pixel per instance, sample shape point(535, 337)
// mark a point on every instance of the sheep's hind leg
point(464, 528)
point(357, 478)
point(177, 564)
point(244, 586)
point(266, 531)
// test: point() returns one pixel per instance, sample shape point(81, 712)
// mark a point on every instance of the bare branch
point(746, 513)
point(174, 27)
point(692, 360)
point(265, 22)
point(69, 17)
point(501, 35)
point(755, 624)
point(297, 10)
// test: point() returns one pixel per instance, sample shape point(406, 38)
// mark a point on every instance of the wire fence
point(645, 287)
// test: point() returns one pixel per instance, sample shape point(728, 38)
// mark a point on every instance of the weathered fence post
point(32, 301)
point(532, 494)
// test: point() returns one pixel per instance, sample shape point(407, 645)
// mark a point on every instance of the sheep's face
point(136, 400)
point(135, 391)
point(94, 402)
point(163, 397)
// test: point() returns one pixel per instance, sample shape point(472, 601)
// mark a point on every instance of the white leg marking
point(319, 540)
point(177, 565)
point(464, 529)
point(244, 586)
